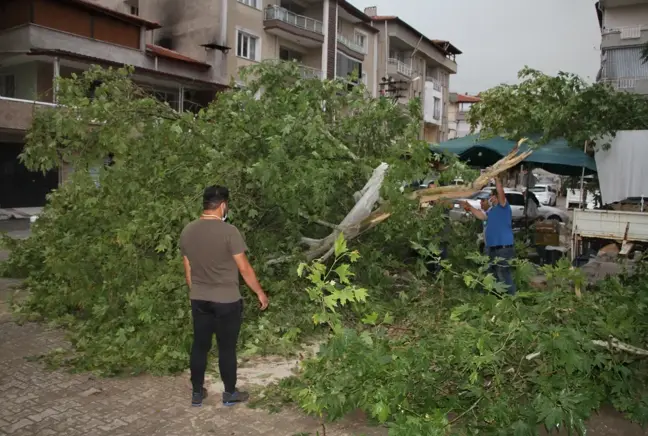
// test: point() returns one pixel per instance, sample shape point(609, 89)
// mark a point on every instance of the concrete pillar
point(325, 28)
point(56, 75)
point(142, 42)
point(181, 93)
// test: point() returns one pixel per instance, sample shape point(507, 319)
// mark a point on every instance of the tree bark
point(362, 217)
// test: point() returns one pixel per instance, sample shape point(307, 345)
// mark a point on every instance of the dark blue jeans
point(500, 266)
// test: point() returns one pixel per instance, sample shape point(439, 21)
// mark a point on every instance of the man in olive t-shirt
point(214, 254)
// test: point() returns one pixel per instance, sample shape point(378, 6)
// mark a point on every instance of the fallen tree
point(103, 258)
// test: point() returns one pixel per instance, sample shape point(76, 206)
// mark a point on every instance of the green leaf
point(370, 319)
point(380, 411)
point(340, 245)
point(343, 272)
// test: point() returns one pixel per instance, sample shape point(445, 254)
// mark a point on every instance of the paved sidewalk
point(36, 401)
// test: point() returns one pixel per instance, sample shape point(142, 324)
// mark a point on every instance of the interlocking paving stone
point(37, 401)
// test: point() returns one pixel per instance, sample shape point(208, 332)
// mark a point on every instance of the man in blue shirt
point(498, 234)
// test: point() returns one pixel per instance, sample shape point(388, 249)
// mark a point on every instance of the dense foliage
point(465, 362)
point(411, 337)
point(103, 257)
point(561, 106)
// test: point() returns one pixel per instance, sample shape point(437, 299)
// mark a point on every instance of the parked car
point(546, 194)
point(575, 199)
point(516, 200)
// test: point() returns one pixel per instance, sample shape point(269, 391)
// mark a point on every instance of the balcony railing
point(22, 100)
point(630, 32)
point(307, 23)
point(401, 68)
point(310, 73)
point(625, 83)
point(351, 44)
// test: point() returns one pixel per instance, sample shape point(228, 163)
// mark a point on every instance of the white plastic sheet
point(623, 169)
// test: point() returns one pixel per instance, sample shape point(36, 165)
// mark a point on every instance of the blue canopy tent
point(556, 156)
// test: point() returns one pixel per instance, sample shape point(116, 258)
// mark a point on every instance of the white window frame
point(365, 35)
point(256, 57)
point(360, 79)
point(255, 4)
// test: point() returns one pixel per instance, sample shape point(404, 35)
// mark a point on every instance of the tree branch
point(612, 344)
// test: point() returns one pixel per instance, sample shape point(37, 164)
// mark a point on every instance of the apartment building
point(458, 108)
point(421, 64)
point(41, 40)
point(624, 32)
point(186, 51)
point(330, 38)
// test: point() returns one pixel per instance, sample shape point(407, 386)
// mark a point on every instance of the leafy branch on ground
point(410, 340)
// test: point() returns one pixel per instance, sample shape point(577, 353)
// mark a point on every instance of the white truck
point(624, 183)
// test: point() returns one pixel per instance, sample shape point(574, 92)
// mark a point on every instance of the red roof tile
point(170, 54)
point(463, 98)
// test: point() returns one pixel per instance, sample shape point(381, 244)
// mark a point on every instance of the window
point(437, 108)
point(347, 66)
point(360, 39)
point(624, 63)
point(251, 3)
point(246, 45)
point(398, 55)
point(515, 199)
point(286, 54)
point(133, 7)
point(8, 86)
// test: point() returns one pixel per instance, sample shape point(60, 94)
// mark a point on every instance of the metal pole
point(582, 181)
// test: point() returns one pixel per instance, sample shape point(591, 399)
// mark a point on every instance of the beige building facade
point(330, 38)
point(624, 33)
point(420, 67)
point(458, 107)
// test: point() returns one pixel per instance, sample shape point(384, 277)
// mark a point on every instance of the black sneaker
point(234, 398)
point(198, 397)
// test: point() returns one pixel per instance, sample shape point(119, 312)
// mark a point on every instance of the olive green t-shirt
point(210, 246)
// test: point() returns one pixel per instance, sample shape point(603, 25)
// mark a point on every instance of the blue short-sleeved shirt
point(499, 227)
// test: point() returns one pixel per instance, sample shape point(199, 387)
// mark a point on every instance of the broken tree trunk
point(362, 217)
point(507, 162)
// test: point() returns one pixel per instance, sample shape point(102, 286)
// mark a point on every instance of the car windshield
point(538, 189)
point(481, 195)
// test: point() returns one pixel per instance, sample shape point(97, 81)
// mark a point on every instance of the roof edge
point(451, 49)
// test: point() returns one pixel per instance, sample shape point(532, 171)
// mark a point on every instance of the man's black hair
point(214, 195)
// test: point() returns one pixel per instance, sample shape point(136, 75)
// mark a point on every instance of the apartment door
point(20, 187)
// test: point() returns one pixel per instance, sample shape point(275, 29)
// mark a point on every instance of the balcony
point(311, 73)
point(351, 45)
point(394, 66)
point(637, 85)
point(300, 29)
point(16, 114)
point(624, 37)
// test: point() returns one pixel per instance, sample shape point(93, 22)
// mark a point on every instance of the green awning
point(556, 156)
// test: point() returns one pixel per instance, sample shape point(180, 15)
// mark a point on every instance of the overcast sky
point(499, 37)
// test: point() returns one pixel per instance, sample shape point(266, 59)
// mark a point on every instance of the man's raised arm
point(501, 196)
point(478, 213)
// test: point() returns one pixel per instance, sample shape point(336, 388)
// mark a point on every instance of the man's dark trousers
point(500, 265)
point(224, 320)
